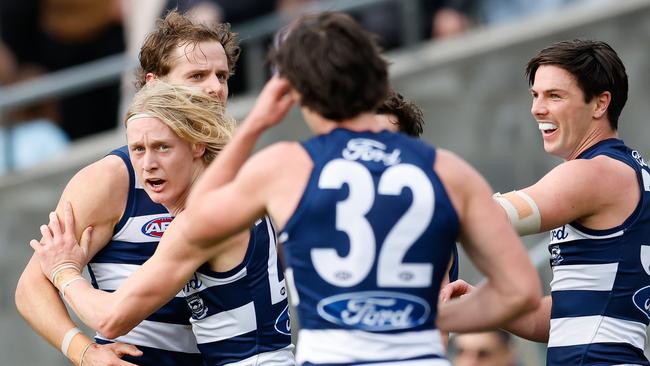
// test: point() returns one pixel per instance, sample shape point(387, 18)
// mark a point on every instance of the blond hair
point(193, 115)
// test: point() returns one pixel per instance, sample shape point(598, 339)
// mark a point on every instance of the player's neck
point(592, 138)
point(362, 122)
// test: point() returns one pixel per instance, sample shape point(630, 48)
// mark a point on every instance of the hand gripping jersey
point(366, 250)
point(241, 317)
point(601, 280)
point(165, 337)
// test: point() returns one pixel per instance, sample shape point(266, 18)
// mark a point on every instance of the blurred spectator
point(447, 17)
point(25, 128)
point(493, 348)
point(233, 12)
point(437, 18)
point(7, 64)
point(500, 11)
point(57, 34)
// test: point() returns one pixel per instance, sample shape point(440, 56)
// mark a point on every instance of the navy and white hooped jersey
point(241, 317)
point(601, 281)
point(165, 337)
point(366, 250)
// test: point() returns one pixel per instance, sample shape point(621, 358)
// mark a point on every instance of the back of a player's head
point(408, 115)
point(192, 114)
point(596, 67)
point(175, 30)
point(334, 64)
point(491, 348)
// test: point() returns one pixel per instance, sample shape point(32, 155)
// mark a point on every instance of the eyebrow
point(152, 142)
point(555, 90)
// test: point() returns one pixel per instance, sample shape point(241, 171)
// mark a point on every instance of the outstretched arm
point(572, 191)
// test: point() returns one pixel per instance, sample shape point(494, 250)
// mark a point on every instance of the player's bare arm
point(112, 314)
point(276, 166)
point(573, 191)
point(37, 300)
point(533, 325)
point(512, 286)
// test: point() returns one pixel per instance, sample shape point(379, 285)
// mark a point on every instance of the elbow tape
point(522, 211)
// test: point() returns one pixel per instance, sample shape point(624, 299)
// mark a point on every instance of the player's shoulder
point(106, 176)
point(109, 169)
point(281, 153)
point(460, 179)
point(601, 170)
point(451, 167)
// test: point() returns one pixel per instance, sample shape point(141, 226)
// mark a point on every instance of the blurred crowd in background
point(41, 36)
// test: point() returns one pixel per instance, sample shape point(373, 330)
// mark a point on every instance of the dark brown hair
point(334, 64)
point(410, 119)
point(175, 30)
point(596, 67)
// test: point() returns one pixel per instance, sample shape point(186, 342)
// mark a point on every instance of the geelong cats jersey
point(366, 250)
point(601, 280)
point(241, 316)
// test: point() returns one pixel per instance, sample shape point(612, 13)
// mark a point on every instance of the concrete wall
point(476, 103)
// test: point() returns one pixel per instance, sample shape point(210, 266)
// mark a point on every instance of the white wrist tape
point(65, 285)
point(67, 339)
point(523, 212)
point(61, 267)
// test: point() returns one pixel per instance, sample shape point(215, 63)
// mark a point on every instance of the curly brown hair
point(410, 119)
point(174, 30)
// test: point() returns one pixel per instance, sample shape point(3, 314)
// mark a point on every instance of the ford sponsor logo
point(375, 310)
point(641, 300)
point(156, 227)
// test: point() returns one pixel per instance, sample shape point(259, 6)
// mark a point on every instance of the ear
point(602, 103)
point(295, 95)
point(150, 76)
point(198, 150)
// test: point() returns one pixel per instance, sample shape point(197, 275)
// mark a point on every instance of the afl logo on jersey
point(375, 310)
point(156, 227)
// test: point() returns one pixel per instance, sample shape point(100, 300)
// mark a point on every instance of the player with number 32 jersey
point(370, 286)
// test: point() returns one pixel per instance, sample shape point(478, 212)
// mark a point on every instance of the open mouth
point(547, 127)
point(155, 184)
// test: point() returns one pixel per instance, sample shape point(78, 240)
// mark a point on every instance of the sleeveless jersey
point(601, 280)
point(368, 246)
point(241, 316)
point(165, 337)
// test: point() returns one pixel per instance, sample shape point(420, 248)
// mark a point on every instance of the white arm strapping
point(531, 223)
point(67, 338)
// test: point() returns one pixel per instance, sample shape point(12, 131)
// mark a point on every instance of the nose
point(149, 162)
point(538, 107)
point(216, 88)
